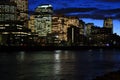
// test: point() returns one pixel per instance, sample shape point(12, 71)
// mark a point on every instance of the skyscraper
point(88, 29)
point(22, 7)
point(13, 22)
point(43, 19)
point(8, 12)
point(60, 24)
point(31, 23)
point(108, 23)
point(73, 35)
point(8, 16)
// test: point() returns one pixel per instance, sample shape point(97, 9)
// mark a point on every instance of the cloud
point(93, 16)
point(109, 0)
point(72, 10)
point(118, 16)
point(114, 13)
point(90, 12)
point(108, 12)
point(96, 9)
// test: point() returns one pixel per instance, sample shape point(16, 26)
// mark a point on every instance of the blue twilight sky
point(90, 11)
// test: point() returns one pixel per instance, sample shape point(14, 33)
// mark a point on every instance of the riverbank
point(49, 48)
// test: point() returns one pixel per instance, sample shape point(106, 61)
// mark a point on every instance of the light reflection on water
point(58, 64)
point(20, 56)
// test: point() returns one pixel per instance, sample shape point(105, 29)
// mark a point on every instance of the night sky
point(92, 11)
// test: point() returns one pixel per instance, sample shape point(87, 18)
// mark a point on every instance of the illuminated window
point(0, 17)
point(6, 8)
point(0, 9)
point(106, 24)
point(12, 9)
point(12, 17)
point(7, 16)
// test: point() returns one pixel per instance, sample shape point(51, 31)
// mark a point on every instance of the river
point(58, 64)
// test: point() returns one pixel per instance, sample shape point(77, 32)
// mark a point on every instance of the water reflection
point(64, 65)
point(58, 65)
point(20, 56)
point(57, 57)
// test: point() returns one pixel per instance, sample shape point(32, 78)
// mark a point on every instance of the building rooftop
point(44, 5)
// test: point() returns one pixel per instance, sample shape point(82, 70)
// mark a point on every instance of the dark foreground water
point(58, 65)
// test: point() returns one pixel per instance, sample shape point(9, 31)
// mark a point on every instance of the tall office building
point(31, 23)
point(8, 12)
point(8, 17)
point(82, 26)
point(88, 29)
point(43, 19)
point(73, 34)
point(61, 23)
point(12, 27)
point(22, 7)
point(108, 23)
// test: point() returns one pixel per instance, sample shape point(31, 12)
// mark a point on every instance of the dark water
point(58, 65)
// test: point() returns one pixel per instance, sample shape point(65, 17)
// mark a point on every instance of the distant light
point(29, 34)
point(114, 42)
point(57, 36)
point(5, 33)
point(107, 44)
point(57, 57)
point(57, 65)
point(7, 25)
point(57, 51)
point(20, 57)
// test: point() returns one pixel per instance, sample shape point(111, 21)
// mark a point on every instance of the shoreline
point(52, 48)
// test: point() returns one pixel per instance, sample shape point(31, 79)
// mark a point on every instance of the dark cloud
point(109, 0)
point(72, 10)
point(96, 9)
point(97, 16)
point(118, 16)
point(90, 12)
point(108, 12)
point(93, 16)
point(114, 13)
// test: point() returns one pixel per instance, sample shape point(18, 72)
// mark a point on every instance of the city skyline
point(50, 27)
point(89, 11)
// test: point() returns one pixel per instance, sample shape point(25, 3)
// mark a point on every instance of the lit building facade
point(8, 11)
point(31, 23)
point(43, 19)
point(88, 29)
point(82, 26)
point(101, 36)
point(12, 32)
point(8, 17)
point(100, 30)
point(73, 35)
point(59, 26)
point(22, 7)
point(108, 23)
point(61, 23)
point(71, 21)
